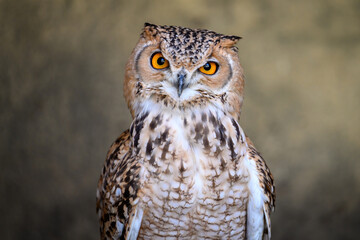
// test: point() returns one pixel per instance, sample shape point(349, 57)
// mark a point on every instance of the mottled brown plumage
point(184, 169)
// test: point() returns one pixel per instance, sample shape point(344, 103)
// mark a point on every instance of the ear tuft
point(229, 41)
point(150, 31)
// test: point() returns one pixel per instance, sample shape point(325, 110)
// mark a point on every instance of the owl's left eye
point(158, 61)
point(209, 68)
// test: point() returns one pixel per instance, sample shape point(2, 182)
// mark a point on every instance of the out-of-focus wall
point(61, 72)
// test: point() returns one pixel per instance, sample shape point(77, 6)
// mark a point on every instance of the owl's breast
point(193, 179)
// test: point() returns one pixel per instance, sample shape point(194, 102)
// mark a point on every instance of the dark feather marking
point(165, 150)
point(139, 124)
point(149, 148)
point(203, 117)
point(236, 126)
point(231, 146)
point(222, 164)
point(222, 134)
point(164, 135)
point(206, 142)
point(152, 161)
point(213, 119)
point(198, 131)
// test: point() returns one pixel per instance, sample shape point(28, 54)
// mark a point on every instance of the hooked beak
point(180, 83)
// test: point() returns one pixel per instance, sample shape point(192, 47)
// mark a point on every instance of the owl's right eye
point(158, 61)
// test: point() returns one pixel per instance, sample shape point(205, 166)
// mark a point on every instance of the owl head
point(181, 69)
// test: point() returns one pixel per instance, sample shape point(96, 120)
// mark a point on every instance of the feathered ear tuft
point(150, 31)
point(229, 41)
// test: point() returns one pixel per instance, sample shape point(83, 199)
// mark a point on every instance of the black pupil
point(161, 61)
point(207, 66)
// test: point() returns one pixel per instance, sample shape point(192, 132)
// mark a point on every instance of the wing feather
point(117, 192)
point(261, 175)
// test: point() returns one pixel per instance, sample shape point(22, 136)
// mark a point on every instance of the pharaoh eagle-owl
point(185, 169)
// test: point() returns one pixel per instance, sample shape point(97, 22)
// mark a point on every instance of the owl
point(185, 168)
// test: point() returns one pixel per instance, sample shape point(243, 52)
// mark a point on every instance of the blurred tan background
point(61, 71)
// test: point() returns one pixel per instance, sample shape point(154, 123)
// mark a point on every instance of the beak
point(180, 83)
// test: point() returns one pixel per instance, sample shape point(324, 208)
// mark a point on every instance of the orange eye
point(158, 61)
point(209, 68)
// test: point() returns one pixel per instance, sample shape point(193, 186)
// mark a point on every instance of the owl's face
point(184, 68)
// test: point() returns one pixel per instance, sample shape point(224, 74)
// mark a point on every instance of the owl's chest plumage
point(193, 179)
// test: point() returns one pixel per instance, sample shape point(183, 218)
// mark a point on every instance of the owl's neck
point(154, 98)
